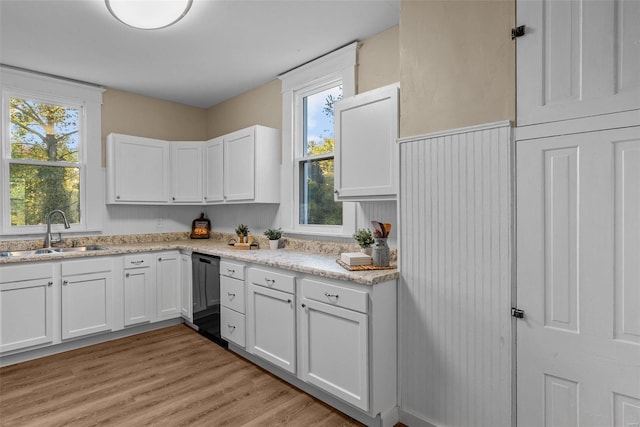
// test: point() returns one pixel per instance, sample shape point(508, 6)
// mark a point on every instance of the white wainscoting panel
point(455, 257)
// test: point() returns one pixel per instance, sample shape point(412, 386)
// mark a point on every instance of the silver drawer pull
point(137, 262)
point(65, 282)
point(127, 275)
point(230, 270)
point(270, 282)
point(289, 300)
point(231, 327)
point(231, 296)
point(50, 283)
point(328, 295)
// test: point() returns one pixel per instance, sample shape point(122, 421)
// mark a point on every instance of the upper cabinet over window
point(577, 59)
point(50, 152)
point(366, 150)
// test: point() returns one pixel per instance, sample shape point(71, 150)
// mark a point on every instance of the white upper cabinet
point(214, 170)
point(186, 172)
point(577, 59)
point(366, 154)
point(240, 167)
point(137, 170)
point(239, 159)
point(252, 165)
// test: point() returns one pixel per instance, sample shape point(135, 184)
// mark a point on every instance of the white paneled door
point(578, 279)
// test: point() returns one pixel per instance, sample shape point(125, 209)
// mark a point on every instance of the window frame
point(88, 100)
point(335, 68)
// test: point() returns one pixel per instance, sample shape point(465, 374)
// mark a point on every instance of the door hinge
point(517, 313)
point(517, 32)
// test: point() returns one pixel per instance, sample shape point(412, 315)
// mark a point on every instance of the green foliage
point(363, 237)
point(317, 204)
point(44, 133)
point(242, 230)
point(273, 234)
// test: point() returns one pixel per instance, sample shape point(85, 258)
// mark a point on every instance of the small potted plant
point(365, 240)
point(274, 237)
point(242, 231)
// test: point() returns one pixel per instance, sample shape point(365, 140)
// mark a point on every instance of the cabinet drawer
point(232, 293)
point(335, 295)
point(27, 271)
point(137, 261)
point(269, 279)
point(232, 326)
point(72, 268)
point(231, 269)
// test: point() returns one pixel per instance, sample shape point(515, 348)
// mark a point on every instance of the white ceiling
point(220, 49)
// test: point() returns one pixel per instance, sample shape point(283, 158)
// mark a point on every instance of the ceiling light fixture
point(148, 14)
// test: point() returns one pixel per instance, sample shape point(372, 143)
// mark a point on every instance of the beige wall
point(260, 106)
point(457, 64)
point(124, 112)
point(379, 60)
point(131, 114)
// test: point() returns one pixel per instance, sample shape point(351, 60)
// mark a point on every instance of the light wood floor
point(169, 377)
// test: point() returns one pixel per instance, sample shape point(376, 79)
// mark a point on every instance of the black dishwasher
point(206, 296)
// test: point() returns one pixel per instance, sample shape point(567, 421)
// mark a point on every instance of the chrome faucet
point(47, 237)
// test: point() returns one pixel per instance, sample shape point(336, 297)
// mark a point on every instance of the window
point(315, 158)
point(44, 167)
point(50, 153)
point(309, 93)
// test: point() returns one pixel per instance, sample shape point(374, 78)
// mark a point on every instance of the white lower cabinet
point(335, 343)
point(86, 297)
point(271, 318)
point(339, 338)
point(186, 287)
point(232, 326)
point(232, 302)
point(168, 285)
point(26, 306)
point(138, 289)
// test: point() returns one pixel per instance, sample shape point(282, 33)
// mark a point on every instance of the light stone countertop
point(303, 262)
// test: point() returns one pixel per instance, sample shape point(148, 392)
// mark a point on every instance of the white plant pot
point(366, 250)
point(273, 244)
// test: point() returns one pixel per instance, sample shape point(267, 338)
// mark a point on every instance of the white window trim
point(89, 99)
point(337, 66)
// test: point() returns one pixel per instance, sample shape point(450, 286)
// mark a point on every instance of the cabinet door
point(186, 172)
point(271, 326)
point(577, 59)
point(168, 285)
point(26, 313)
point(140, 169)
point(138, 287)
point(365, 145)
point(87, 304)
point(578, 276)
point(186, 286)
point(214, 161)
point(335, 351)
point(239, 165)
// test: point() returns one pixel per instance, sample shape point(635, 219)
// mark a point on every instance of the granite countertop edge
point(302, 262)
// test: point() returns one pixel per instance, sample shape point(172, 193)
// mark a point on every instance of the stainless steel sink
point(13, 254)
point(32, 252)
point(81, 249)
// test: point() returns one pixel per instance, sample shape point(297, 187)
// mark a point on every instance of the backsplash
point(300, 245)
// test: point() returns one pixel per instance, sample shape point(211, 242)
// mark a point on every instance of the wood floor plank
point(168, 377)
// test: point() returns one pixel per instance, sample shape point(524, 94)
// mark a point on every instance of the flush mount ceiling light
point(148, 14)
